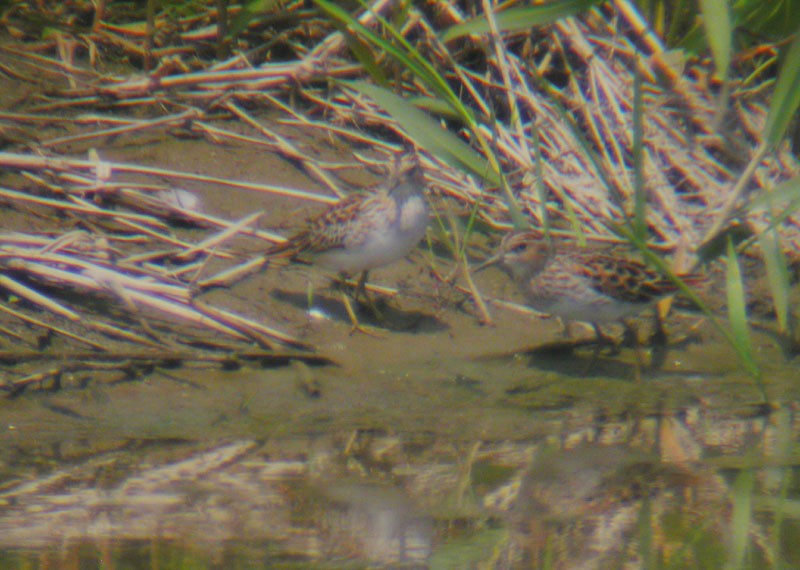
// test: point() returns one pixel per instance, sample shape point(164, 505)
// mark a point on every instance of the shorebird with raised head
point(364, 231)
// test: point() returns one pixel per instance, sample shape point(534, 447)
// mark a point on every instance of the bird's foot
point(357, 326)
point(603, 340)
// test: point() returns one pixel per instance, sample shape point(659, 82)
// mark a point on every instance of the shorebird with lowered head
point(597, 287)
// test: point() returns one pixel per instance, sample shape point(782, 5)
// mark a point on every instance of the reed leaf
point(405, 55)
point(360, 50)
point(787, 191)
point(743, 351)
point(436, 107)
point(408, 57)
point(427, 132)
point(777, 276)
point(783, 199)
point(737, 312)
point(719, 33)
point(740, 520)
point(473, 551)
point(786, 97)
point(250, 11)
point(646, 539)
point(522, 18)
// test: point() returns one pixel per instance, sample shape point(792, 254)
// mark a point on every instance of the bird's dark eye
point(520, 247)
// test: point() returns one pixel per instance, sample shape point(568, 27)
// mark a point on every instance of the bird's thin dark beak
point(494, 260)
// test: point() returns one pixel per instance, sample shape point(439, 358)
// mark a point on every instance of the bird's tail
point(288, 249)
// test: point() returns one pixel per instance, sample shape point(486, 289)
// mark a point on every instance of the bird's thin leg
point(361, 287)
point(603, 339)
point(659, 343)
point(361, 292)
point(629, 334)
point(633, 334)
point(659, 333)
point(565, 330)
point(341, 284)
point(357, 327)
point(600, 341)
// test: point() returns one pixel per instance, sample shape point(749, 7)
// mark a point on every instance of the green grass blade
point(474, 551)
point(742, 235)
point(404, 54)
point(678, 21)
point(781, 506)
point(788, 190)
point(740, 520)
point(435, 107)
point(777, 276)
point(451, 149)
point(427, 132)
point(422, 68)
point(646, 541)
point(719, 33)
point(769, 241)
point(250, 11)
point(745, 357)
point(541, 191)
point(364, 55)
point(784, 199)
point(737, 311)
point(786, 98)
point(584, 145)
point(519, 18)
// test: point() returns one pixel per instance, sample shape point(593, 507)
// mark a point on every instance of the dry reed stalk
point(60, 205)
point(37, 163)
point(133, 127)
point(282, 146)
point(176, 305)
point(211, 243)
point(49, 327)
point(566, 153)
point(58, 263)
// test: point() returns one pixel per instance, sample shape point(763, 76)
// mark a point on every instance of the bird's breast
point(414, 216)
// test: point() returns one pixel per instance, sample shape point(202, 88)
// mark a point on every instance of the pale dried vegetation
point(555, 102)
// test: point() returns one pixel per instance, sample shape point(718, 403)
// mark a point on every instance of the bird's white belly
point(376, 252)
point(598, 310)
point(383, 245)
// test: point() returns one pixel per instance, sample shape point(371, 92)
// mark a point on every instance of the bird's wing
point(327, 231)
point(623, 279)
point(337, 224)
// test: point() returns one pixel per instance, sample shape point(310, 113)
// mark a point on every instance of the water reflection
point(664, 491)
point(373, 522)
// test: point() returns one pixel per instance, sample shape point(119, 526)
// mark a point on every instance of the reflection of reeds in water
point(596, 507)
point(583, 508)
point(372, 522)
point(387, 499)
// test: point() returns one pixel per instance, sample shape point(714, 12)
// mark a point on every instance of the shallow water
point(369, 498)
point(438, 463)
